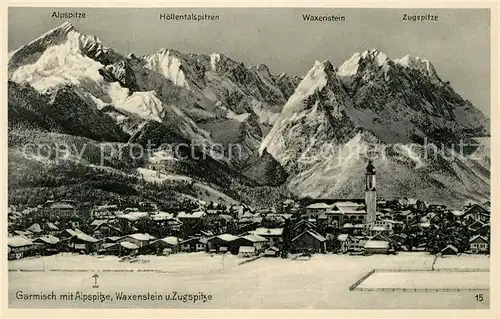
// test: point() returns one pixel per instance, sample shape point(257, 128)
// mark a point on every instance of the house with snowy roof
point(47, 239)
point(373, 246)
point(19, 247)
point(479, 245)
point(191, 217)
point(194, 244)
point(53, 209)
point(477, 212)
point(344, 240)
point(303, 225)
point(259, 243)
point(458, 214)
point(349, 204)
point(314, 210)
point(484, 230)
point(475, 226)
point(132, 216)
point(110, 248)
point(68, 233)
point(407, 202)
point(50, 228)
point(97, 222)
point(48, 244)
point(309, 241)
point(273, 235)
point(169, 243)
point(406, 216)
point(23, 233)
point(106, 229)
point(83, 243)
point(128, 248)
point(35, 229)
point(222, 243)
point(141, 240)
point(206, 233)
point(342, 212)
point(449, 250)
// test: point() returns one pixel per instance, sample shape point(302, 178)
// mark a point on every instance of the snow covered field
point(183, 264)
point(428, 280)
point(463, 261)
point(322, 282)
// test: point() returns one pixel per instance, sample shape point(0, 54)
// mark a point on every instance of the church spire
point(370, 169)
point(370, 176)
point(370, 192)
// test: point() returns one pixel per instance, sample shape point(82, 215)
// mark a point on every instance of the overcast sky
point(458, 44)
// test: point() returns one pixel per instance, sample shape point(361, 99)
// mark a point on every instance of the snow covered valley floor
point(430, 280)
point(319, 283)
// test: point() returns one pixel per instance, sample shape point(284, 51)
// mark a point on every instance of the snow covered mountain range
point(66, 85)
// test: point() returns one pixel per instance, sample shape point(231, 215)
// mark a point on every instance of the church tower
point(370, 193)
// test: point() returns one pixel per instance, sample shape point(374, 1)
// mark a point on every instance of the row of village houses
point(346, 216)
point(262, 240)
point(349, 216)
point(259, 241)
point(269, 241)
point(335, 215)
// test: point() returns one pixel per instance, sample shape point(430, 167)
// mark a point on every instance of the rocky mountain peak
point(65, 36)
point(264, 70)
point(64, 28)
point(372, 58)
point(420, 64)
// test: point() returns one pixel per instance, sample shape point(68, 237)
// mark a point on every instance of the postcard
point(302, 158)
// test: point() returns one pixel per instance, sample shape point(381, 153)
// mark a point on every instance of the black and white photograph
point(249, 158)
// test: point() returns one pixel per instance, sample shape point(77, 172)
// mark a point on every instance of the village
point(294, 228)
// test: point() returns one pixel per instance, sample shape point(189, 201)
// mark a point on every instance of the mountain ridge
point(278, 122)
point(337, 119)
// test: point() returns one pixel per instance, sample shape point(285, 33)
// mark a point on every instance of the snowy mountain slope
point(65, 61)
point(95, 184)
point(437, 179)
point(50, 112)
point(226, 92)
point(213, 73)
point(313, 115)
point(372, 106)
point(78, 172)
point(227, 83)
point(166, 63)
point(193, 104)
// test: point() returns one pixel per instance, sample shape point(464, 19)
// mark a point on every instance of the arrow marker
point(95, 278)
